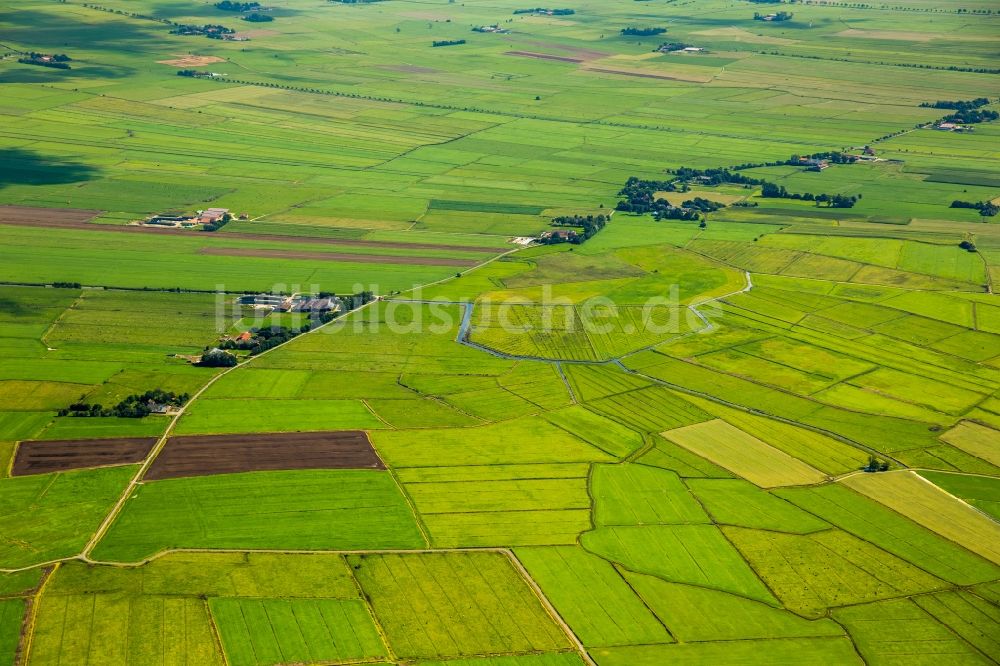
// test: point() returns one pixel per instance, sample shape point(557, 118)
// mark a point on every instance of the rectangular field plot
point(975, 439)
point(744, 454)
point(630, 494)
point(869, 520)
point(740, 503)
point(118, 629)
point(915, 637)
point(11, 619)
point(56, 456)
point(822, 452)
point(516, 504)
point(455, 604)
point(592, 597)
point(929, 506)
point(48, 516)
point(264, 632)
point(695, 554)
point(245, 416)
point(600, 431)
point(982, 492)
point(205, 574)
point(544, 659)
point(968, 615)
point(852, 571)
point(297, 510)
point(520, 441)
point(695, 614)
point(199, 455)
point(538, 527)
point(778, 652)
point(651, 409)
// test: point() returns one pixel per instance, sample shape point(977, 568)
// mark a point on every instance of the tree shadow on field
point(36, 74)
point(26, 167)
point(12, 306)
point(63, 31)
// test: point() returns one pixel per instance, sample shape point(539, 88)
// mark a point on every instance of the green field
point(641, 448)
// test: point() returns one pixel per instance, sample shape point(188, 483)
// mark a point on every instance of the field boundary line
point(55, 322)
point(365, 599)
point(30, 618)
point(417, 518)
point(549, 608)
point(216, 634)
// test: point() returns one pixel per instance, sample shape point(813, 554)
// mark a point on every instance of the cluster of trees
point(668, 47)
point(875, 465)
point(590, 224)
point(217, 358)
point(209, 30)
point(66, 285)
point(985, 208)
point(773, 191)
point(258, 18)
point(957, 105)
point(230, 6)
point(640, 197)
point(780, 16)
point(448, 42)
point(134, 406)
point(715, 176)
point(702, 204)
point(642, 32)
point(971, 116)
point(967, 111)
point(833, 156)
point(192, 73)
point(968, 246)
point(352, 302)
point(265, 338)
point(545, 10)
point(57, 61)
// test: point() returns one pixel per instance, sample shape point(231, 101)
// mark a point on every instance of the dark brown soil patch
point(77, 219)
point(338, 256)
point(544, 56)
point(202, 455)
point(586, 54)
point(641, 75)
point(46, 217)
point(62, 455)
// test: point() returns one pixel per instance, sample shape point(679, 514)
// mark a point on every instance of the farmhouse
point(212, 215)
point(559, 235)
point(310, 304)
point(265, 300)
point(491, 28)
point(814, 164)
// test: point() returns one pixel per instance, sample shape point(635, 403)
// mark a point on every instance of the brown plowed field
point(641, 75)
point(77, 219)
point(46, 217)
point(543, 56)
point(337, 256)
point(202, 455)
point(62, 455)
